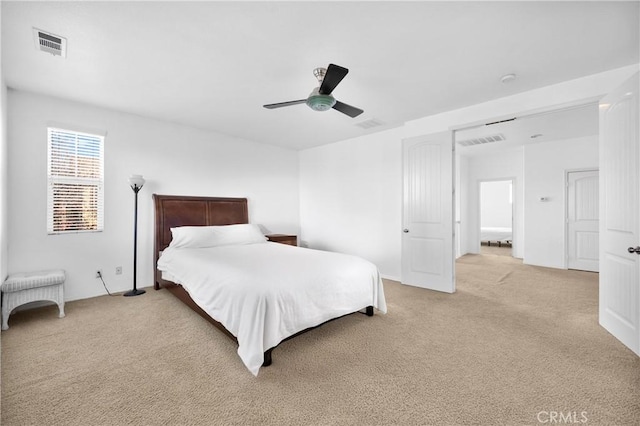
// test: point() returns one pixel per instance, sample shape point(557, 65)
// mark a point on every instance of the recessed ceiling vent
point(480, 141)
point(367, 124)
point(50, 43)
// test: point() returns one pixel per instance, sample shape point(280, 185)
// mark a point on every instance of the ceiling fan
point(320, 98)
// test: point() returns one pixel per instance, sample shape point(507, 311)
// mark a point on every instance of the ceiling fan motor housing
point(318, 102)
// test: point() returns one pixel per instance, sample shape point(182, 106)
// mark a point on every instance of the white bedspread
point(495, 234)
point(264, 293)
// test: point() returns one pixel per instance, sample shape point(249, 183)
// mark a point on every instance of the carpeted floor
point(514, 345)
point(503, 250)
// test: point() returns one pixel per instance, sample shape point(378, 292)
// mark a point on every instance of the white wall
point(496, 205)
point(174, 159)
point(349, 198)
point(332, 213)
point(4, 186)
point(490, 167)
point(461, 204)
point(545, 167)
point(3, 173)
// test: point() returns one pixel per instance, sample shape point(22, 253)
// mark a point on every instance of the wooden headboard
point(180, 210)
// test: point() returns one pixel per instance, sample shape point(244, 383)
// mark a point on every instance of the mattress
point(496, 234)
point(263, 293)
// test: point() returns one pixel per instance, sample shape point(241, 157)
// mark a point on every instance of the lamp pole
point(136, 182)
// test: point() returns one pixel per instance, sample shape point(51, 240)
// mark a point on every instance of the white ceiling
point(213, 65)
point(553, 126)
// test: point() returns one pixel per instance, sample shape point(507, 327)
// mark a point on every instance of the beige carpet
point(512, 345)
point(504, 250)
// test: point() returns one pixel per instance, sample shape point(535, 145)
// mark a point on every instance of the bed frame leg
point(369, 311)
point(267, 358)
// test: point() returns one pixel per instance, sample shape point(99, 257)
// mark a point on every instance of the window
point(75, 172)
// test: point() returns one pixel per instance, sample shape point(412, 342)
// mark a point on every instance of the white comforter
point(495, 234)
point(263, 293)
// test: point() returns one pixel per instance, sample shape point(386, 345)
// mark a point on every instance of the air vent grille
point(368, 124)
point(482, 140)
point(50, 43)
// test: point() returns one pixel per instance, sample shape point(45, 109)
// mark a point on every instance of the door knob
point(406, 231)
point(634, 250)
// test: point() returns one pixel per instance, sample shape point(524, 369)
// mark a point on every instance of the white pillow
point(213, 236)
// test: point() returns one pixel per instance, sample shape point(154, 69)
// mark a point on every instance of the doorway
point(496, 217)
point(538, 148)
point(617, 158)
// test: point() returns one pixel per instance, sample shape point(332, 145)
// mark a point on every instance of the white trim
point(529, 113)
point(77, 129)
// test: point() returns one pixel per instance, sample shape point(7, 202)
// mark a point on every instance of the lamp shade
point(136, 181)
point(319, 102)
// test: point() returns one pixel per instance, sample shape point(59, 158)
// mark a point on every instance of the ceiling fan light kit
point(318, 102)
point(320, 98)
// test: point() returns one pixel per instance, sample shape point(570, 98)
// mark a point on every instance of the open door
point(427, 238)
point(619, 214)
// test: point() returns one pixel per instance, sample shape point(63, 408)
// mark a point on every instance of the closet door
point(583, 220)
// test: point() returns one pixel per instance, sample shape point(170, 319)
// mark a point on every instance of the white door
point(582, 220)
point(427, 238)
point(619, 214)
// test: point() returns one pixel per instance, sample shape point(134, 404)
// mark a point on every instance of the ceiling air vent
point(50, 43)
point(485, 139)
point(367, 124)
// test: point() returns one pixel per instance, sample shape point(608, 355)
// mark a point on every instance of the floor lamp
point(136, 182)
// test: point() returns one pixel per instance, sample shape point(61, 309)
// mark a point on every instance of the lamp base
point(135, 292)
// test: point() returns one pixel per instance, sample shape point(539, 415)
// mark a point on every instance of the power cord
point(104, 284)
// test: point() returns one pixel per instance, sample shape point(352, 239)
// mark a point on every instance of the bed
point(257, 293)
point(496, 235)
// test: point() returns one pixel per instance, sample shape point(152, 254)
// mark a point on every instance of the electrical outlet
point(118, 270)
point(98, 273)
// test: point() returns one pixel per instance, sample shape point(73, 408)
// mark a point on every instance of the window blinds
point(75, 182)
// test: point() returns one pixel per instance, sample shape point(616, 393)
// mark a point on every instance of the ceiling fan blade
point(334, 75)
point(284, 104)
point(347, 109)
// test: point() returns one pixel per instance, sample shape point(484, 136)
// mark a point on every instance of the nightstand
point(292, 240)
